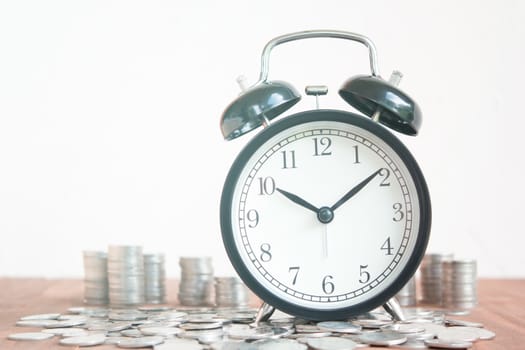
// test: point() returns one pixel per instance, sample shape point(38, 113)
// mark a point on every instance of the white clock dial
point(325, 215)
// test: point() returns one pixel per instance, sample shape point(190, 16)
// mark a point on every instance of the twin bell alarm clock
point(325, 214)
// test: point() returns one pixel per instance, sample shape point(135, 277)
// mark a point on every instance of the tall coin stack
point(154, 279)
point(95, 278)
point(407, 295)
point(432, 278)
point(125, 275)
point(459, 285)
point(230, 292)
point(196, 281)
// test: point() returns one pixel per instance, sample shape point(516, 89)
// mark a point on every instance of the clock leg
point(393, 307)
point(263, 314)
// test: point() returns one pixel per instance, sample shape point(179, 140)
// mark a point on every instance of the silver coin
point(307, 328)
point(279, 344)
point(132, 333)
point(52, 316)
point(457, 334)
point(455, 322)
point(161, 331)
point(154, 308)
point(339, 327)
point(114, 340)
point(65, 332)
point(132, 343)
point(448, 344)
point(72, 318)
point(88, 340)
point(246, 333)
point(310, 335)
point(30, 336)
point(200, 326)
point(480, 333)
point(179, 344)
point(371, 323)
point(331, 343)
point(412, 344)
point(432, 328)
point(36, 323)
point(383, 338)
point(404, 328)
point(67, 323)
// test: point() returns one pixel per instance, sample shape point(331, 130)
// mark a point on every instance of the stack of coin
point(196, 282)
point(95, 278)
point(154, 279)
point(407, 295)
point(230, 292)
point(459, 285)
point(125, 275)
point(432, 278)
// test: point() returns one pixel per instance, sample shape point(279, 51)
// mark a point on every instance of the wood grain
point(501, 308)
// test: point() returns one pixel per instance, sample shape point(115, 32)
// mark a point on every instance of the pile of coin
point(154, 279)
point(431, 270)
point(230, 292)
point(96, 289)
point(125, 275)
point(407, 295)
point(459, 285)
point(196, 281)
point(200, 328)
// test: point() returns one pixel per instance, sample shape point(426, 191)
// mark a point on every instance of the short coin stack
point(125, 275)
point(95, 278)
point(196, 281)
point(432, 278)
point(459, 285)
point(407, 295)
point(154, 279)
point(230, 292)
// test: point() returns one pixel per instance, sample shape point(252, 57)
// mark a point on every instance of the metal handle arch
point(265, 57)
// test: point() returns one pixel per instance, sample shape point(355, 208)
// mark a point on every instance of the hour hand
point(354, 190)
point(298, 200)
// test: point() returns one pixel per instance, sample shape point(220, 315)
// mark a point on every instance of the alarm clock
point(325, 214)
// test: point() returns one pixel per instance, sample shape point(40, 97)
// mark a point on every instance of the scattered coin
point(448, 344)
point(67, 323)
point(339, 327)
point(455, 322)
point(458, 334)
point(132, 333)
point(250, 333)
point(30, 336)
point(179, 344)
point(405, 328)
point(53, 316)
point(200, 325)
point(36, 323)
point(65, 332)
point(480, 333)
point(88, 340)
point(132, 343)
point(279, 344)
point(331, 343)
point(371, 323)
point(161, 331)
point(383, 338)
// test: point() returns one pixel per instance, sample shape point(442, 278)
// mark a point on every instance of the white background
point(109, 118)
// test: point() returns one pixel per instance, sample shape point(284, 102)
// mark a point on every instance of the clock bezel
point(330, 116)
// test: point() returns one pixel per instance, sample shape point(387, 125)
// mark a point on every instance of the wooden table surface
point(501, 308)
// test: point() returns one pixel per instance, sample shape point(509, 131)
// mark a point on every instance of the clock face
point(325, 214)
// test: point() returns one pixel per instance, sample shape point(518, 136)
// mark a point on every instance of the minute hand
point(354, 190)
